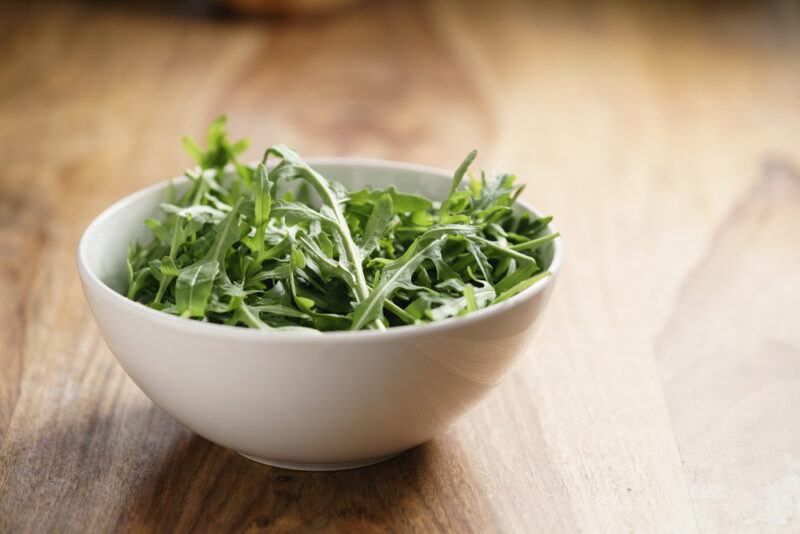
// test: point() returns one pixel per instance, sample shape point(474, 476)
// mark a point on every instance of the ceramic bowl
point(315, 401)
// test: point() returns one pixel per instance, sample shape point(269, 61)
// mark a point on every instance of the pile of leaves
point(235, 248)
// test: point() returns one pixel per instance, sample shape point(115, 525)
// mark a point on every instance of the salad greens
point(278, 246)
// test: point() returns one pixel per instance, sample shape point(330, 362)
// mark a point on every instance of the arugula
point(239, 246)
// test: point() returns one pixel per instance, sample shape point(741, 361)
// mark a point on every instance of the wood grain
point(662, 392)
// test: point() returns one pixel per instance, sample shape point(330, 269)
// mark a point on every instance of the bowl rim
point(89, 277)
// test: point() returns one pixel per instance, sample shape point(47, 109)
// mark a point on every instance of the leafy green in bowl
point(278, 246)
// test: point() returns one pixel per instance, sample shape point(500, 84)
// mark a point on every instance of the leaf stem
point(320, 184)
point(504, 250)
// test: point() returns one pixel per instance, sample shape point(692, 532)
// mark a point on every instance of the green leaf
point(417, 308)
point(158, 230)
point(444, 211)
point(233, 248)
point(280, 309)
point(168, 267)
point(198, 213)
point(520, 287)
point(263, 203)
point(304, 303)
point(401, 202)
point(480, 258)
point(422, 218)
point(469, 297)
point(399, 312)
point(396, 275)
point(194, 287)
point(454, 306)
point(298, 260)
point(227, 233)
point(193, 150)
point(250, 317)
point(535, 243)
point(516, 277)
point(295, 213)
point(332, 198)
point(502, 250)
point(376, 225)
point(462, 170)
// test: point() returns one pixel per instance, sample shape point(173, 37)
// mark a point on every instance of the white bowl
point(324, 401)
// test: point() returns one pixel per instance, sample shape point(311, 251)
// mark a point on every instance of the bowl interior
point(105, 243)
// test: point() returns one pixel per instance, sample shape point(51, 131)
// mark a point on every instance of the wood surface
point(662, 393)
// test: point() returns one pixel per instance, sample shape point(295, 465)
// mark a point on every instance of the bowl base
point(335, 466)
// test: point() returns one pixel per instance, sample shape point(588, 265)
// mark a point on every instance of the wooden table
point(663, 393)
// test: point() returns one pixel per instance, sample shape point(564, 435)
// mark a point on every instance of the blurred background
point(664, 136)
point(554, 90)
point(583, 94)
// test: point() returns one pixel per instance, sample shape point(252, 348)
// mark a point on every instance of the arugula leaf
point(194, 287)
point(263, 203)
point(227, 233)
point(469, 296)
point(233, 248)
point(396, 275)
point(401, 202)
point(516, 277)
point(454, 197)
point(535, 243)
point(520, 287)
point(376, 224)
